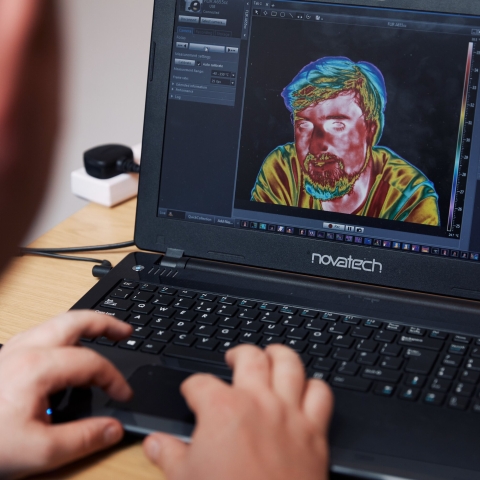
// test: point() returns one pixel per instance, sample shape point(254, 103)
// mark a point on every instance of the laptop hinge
point(174, 258)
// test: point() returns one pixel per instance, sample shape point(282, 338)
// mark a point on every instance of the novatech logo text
point(352, 263)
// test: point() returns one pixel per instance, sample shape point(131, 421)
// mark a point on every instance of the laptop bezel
point(407, 270)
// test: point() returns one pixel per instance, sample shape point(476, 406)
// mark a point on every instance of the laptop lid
point(337, 139)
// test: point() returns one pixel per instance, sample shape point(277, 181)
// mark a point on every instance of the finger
point(68, 328)
point(288, 374)
point(318, 404)
point(251, 367)
point(165, 451)
point(72, 441)
point(201, 391)
point(74, 367)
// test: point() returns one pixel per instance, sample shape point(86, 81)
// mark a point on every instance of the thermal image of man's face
point(332, 141)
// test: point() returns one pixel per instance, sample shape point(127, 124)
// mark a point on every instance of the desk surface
point(35, 289)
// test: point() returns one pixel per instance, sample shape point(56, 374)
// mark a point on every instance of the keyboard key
point(226, 346)
point(248, 304)
point(343, 342)
point(415, 380)
point(167, 291)
point(385, 337)
point(140, 320)
point(278, 330)
point(204, 331)
point(309, 313)
point(381, 374)
point(142, 308)
point(248, 314)
point(164, 312)
point(457, 402)
point(206, 307)
point(351, 383)
point(121, 293)
point(361, 332)
point(410, 394)
point(420, 332)
point(207, 319)
point(420, 361)
point(473, 364)
point(318, 325)
point(195, 354)
point(319, 337)
point(438, 335)
point(475, 353)
point(384, 389)
point(447, 373)
point(324, 364)
point(319, 350)
point(227, 334)
point(452, 361)
point(458, 349)
point(163, 300)
point(267, 307)
point(317, 375)
point(184, 340)
point(184, 303)
point(130, 344)
point(391, 363)
point(182, 327)
point(162, 336)
point(297, 333)
point(367, 346)
point(421, 342)
point(142, 297)
point(251, 338)
point(365, 358)
point(347, 368)
point(351, 320)
point(272, 340)
point(227, 311)
point(129, 284)
point(116, 304)
point(394, 327)
point(256, 327)
point(339, 329)
point(141, 332)
point(462, 339)
point(343, 354)
point(288, 310)
point(147, 287)
point(292, 321)
point(229, 323)
point(332, 317)
point(227, 301)
point(113, 313)
point(185, 315)
point(464, 389)
point(269, 317)
point(153, 348)
point(296, 345)
point(207, 344)
point(391, 350)
point(161, 323)
point(187, 294)
point(434, 398)
point(469, 376)
point(440, 385)
point(372, 323)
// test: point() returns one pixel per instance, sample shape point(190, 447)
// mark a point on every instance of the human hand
point(40, 362)
point(271, 424)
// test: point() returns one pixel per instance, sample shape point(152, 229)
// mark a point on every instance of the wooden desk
point(35, 289)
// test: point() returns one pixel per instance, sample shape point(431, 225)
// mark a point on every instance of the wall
point(106, 51)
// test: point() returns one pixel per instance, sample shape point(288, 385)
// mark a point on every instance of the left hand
point(43, 361)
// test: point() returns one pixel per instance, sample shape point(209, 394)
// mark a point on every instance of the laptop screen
point(326, 121)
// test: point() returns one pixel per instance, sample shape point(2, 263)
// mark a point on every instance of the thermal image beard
point(325, 177)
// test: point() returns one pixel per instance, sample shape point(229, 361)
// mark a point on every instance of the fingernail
point(153, 447)
point(112, 434)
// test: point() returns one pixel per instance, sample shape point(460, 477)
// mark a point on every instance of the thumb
point(165, 451)
point(75, 440)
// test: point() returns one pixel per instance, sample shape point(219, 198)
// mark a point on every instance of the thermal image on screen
point(335, 164)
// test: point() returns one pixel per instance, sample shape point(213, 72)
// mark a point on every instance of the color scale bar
point(460, 137)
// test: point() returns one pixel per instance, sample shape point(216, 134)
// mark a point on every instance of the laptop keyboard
point(350, 352)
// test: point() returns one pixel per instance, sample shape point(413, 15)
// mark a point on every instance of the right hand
point(270, 424)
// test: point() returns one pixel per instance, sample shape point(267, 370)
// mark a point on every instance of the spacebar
point(195, 355)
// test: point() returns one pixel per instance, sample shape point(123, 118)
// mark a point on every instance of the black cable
point(93, 248)
point(67, 257)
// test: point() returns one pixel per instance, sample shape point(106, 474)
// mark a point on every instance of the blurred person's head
point(29, 108)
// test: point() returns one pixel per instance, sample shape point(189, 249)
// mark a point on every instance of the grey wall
point(106, 51)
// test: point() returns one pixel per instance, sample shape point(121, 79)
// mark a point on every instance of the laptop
point(310, 176)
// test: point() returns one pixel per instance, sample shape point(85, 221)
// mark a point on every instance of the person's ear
point(372, 129)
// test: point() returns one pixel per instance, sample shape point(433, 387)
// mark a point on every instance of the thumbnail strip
point(460, 137)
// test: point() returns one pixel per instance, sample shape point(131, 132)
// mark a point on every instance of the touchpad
point(157, 393)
